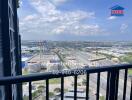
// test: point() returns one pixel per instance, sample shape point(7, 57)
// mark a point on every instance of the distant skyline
point(74, 20)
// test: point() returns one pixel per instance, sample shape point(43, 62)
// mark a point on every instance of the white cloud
point(59, 29)
point(111, 17)
point(44, 7)
point(58, 2)
point(123, 27)
point(30, 17)
point(49, 20)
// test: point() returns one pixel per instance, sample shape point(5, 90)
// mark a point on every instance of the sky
point(74, 20)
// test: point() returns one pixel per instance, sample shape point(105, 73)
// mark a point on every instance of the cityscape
point(53, 56)
point(65, 50)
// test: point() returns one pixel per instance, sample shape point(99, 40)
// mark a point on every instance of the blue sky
point(87, 20)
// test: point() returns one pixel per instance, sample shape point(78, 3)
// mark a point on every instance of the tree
point(57, 90)
point(84, 82)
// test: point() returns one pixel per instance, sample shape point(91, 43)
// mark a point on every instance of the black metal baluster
point(113, 91)
point(30, 90)
point(117, 83)
point(131, 91)
point(125, 84)
point(112, 86)
point(75, 87)
point(108, 85)
point(62, 88)
point(98, 86)
point(87, 87)
point(47, 89)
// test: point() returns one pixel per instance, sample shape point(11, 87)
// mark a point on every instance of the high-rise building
point(10, 50)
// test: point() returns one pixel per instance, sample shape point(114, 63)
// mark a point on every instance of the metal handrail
point(58, 74)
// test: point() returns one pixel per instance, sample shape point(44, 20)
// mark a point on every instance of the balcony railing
point(112, 84)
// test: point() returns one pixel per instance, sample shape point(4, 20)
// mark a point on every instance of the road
point(83, 57)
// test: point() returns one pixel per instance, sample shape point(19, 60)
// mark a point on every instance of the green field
point(127, 58)
point(54, 81)
point(130, 72)
point(25, 72)
point(102, 98)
